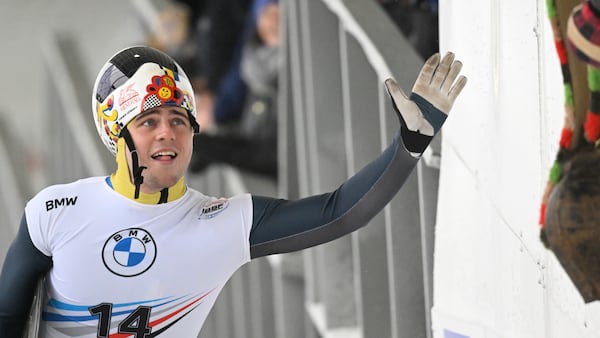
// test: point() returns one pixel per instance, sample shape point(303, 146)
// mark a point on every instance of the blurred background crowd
point(230, 50)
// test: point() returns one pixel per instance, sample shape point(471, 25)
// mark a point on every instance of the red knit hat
point(583, 33)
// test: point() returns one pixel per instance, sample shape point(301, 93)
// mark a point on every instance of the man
point(138, 253)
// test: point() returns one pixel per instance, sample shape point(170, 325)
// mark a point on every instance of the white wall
point(100, 28)
point(492, 275)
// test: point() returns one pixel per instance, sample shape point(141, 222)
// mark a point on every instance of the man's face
point(163, 141)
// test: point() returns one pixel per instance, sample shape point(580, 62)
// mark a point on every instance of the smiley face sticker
point(162, 91)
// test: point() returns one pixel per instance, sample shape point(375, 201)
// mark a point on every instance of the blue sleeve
point(23, 266)
point(281, 226)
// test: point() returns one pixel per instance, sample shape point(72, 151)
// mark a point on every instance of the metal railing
point(334, 117)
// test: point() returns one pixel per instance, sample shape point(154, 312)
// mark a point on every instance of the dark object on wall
point(583, 33)
point(573, 222)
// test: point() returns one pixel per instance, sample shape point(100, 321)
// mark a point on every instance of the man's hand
point(432, 97)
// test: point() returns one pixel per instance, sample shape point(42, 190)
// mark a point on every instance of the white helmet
point(132, 81)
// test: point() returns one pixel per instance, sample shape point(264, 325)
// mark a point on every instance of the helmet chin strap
point(123, 182)
point(164, 196)
point(138, 179)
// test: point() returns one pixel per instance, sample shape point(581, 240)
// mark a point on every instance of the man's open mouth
point(164, 154)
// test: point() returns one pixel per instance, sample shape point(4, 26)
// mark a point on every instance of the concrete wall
point(492, 275)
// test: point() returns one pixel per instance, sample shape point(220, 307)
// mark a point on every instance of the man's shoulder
point(88, 185)
point(81, 184)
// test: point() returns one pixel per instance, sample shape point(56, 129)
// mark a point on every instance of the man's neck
point(121, 183)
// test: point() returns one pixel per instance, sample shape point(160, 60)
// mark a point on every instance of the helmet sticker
point(162, 92)
point(128, 97)
point(106, 117)
point(106, 111)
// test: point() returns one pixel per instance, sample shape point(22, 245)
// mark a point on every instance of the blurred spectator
point(206, 37)
point(253, 145)
point(260, 70)
point(418, 21)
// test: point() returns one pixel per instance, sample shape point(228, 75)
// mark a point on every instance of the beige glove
point(432, 96)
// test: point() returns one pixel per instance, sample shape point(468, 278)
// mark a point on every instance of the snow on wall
point(492, 275)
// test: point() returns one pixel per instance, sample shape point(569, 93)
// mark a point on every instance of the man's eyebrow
point(153, 111)
point(179, 112)
point(146, 113)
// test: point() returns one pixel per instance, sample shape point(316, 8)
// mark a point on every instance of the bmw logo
point(129, 252)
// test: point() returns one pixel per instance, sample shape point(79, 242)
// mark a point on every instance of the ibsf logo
point(129, 252)
point(214, 208)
